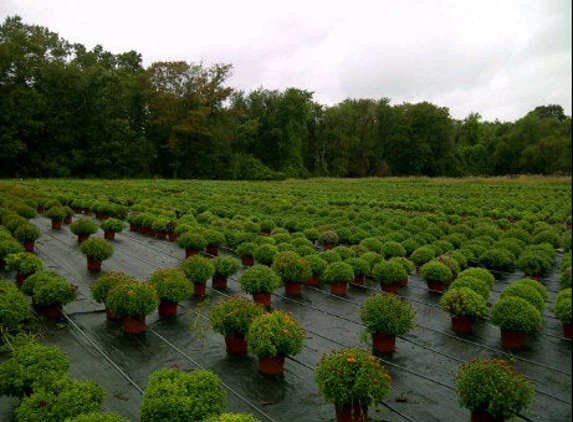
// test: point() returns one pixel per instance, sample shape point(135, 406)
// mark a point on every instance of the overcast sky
point(499, 58)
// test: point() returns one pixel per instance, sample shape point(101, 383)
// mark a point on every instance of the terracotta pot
point(191, 252)
point(109, 235)
point(462, 324)
point(82, 238)
point(20, 278)
point(338, 288)
point(51, 311)
point(199, 289)
point(94, 265)
point(381, 343)
point(172, 237)
point(390, 288)
point(436, 287)
point(110, 316)
point(313, 280)
point(513, 339)
point(57, 224)
point(29, 245)
point(271, 365)
point(358, 280)
point(329, 246)
point(293, 289)
point(262, 298)
point(351, 413)
point(213, 250)
point(220, 282)
point(567, 331)
point(68, 219)
point(134, 325)
point(483, 416)
point(133, 227)
point(248, 261)
point(160, 234)
point(167, 308)
point(405, 282)
point(235, 344)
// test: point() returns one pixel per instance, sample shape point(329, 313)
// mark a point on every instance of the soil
point(422, 367)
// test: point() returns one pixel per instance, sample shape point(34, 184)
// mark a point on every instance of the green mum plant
point(328, 237)
point(24, 263)
point(316, 263)
point(112, 225)
point(533, 263)
point(198, 269)
point(171, 284)
point(275, 334)
point(97, 249)
point(62, 399)
point(338, 271)
point(463, 301)
point(225, 266)
point(480, 273)
point(259, 279)
point(476, 284)
point(265, 253)
point(246, 249)
point(291, 267)
point(192, 240)
point(492, 386)
point(499, 259)
point(173, 395)
point(14, 307)
point(98, 417)
point(83, 226)
point(389, 272)
point(360, 266)
point(540, 288)
point(515, 314)
point(233, 417)
point(562, 305)
point(105, 282)
point(214, 237)
point(435, 271)
point(31, 366)
point(27, 233)
point(49, 288)
point(527, 292)
point(385, 313)
point(56, 213)
point(234, 315)
point(8, 246)
point(352, 376)
point(132, 298)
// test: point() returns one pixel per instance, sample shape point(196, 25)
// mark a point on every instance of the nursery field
point(469, 220)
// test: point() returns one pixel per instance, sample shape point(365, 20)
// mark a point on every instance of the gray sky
point(498, 58)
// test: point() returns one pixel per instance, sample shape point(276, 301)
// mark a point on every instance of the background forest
point(69, 112)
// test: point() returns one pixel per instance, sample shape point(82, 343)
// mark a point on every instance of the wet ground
point(422, 368)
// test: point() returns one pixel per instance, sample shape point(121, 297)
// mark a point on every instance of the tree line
point(66, 111)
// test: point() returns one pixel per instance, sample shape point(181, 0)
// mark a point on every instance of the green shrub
point(105, 282)
point(463, 301)
point(291, 267)
point(259, 279)
point(422, 255)
point(14, 307)
point(225, 266)
point(97, 249)
point(497, 259)
point(481, 273)
point(265, 253)
point(132, 298)
point(515, 314)
point(192, 240)
point(234, 315)
point(83, 226)
point(24, 263)
point(98, 417)
point(435, 271)
point(198, 269)
point(389, 272)
point(27, 233)
point(526, 292)
point(112, 224)
point(338, 271)
point(275, 334)
point(387, 314)
point(478, 285)
point(49, 288)
point(562, 305)
point(171, 284)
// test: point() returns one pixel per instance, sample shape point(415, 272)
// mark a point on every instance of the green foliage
point(214, 237)
point(435, 271)
point(328, 237)
point(352, 375)
point(234, 315)
point(317, 264)
point(132, 298)
point(275, 334)
point(360, 266)
point(105, 282)
point(225, 265)
point(9, 246)
point(463, 301)
point(32, 366)
point(533, 263)
point(64, 398)
point(176, 396)
point(259, 279)
point(515, 314)
point(97, 249)
point(500, 259)
point(562, 305)
point(565, 277)
point(480, 273)
point(14, 307)
point(492, 385)
point(422, 255)
point(388, 314)
point(24, 263)
point(83, 226)
point(171, 284)
point(389, 272)
point(49, 288)
point(478, 285)
point(98, 417)
point(56, 213)
point(265, 253)
point(291, 267)
point(246, 249)
point(27, 233)
point(112, 224)
point(525, 291)
point(233, 417)
point(192, 240)
point(338, 271)
point(198, 269)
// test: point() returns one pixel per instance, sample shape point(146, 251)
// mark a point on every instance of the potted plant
point(361, 268)
point(31, 366)
point(479, 273)
point(57, 214)
point(436, 274)
point(198, 270)
point(172, 286)
point(338, 274)
point(293, 270)
point(192, 242)
point(352, 379)
point(272, 336)
point(515, 317)
point(498, 259)
point(83, 228)
point(96, 251)
point(390, 275)
point(14, 307)
point(562, 310)
point(49, 292)
point(233, 417)
point(132, 300)
point(8, 246)
point(245, 250)
point(328, 239)
point(232, 318)
point(110, 227)
point(533, 263)
point(525, 291)
point(25, 264)
point(215, 240)
point(385, 317)
point(478, 285)
point(102, 286)
point(225, 267)
point(260, 281)
point(265, 253)
point(176, 395)
point(64, 398)
point(492, 390)
point(464, 305)
point(98, 417)
point(27, 234)
point(317, 266)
